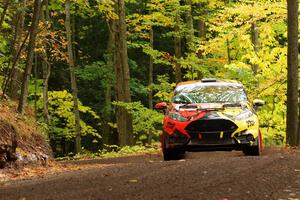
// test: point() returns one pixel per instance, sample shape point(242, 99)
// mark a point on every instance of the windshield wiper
point(233, 104)
point(189, 105)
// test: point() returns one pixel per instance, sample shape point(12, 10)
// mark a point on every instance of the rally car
point(210, 115)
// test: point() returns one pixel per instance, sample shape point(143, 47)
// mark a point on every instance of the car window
point(218, 94)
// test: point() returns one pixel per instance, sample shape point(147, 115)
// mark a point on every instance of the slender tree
point(226, 2)
point(29, 59)
point(189, 25)
point(12, 80)
point(292, 76)
point(255, 43)
point(46, 76)
point(190, 30)
point(35, 72)
point(73, 77)
point(177, 46)
point(124, 119)
point(201, 22)
point(46, 67)
point(107, 115)
point(150, 80)
point(11, 73)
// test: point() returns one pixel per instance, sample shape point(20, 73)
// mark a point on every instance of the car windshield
point(210, 94)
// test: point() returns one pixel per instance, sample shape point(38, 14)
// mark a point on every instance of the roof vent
point(208, 80)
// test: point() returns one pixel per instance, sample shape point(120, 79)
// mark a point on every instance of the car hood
point(213, 110)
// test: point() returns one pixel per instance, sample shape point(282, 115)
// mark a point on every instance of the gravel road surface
point(204, 175)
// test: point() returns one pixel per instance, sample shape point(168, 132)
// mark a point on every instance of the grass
point(114, 151)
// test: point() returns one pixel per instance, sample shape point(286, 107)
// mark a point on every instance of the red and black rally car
point(210, 115)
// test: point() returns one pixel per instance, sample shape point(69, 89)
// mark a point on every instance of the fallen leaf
point(224, 198)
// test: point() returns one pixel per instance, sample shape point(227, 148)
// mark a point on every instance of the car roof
point(209, 83)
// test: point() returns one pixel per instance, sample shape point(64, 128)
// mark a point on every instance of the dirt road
point(205, 175)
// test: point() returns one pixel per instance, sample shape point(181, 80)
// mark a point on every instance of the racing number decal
point(250, 123)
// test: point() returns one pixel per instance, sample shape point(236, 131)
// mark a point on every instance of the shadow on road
point(158, 157)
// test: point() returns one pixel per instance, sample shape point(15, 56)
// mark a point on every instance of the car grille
point(178, 137)
point(211, 129)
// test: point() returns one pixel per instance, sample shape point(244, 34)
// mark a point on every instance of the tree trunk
point(255, 43)
point(47, 13)
point(190, 32)
point(292, 77)
point(108, 87)
point(177, 45)
point(107, 115)
point(73, 30)
point(15, 83)
point(124, 119)
point(227, 40)
point(35, 83)
point(201, 35)
point(11, 72)
point(73, 78)
point(190, 26)
point(46, 75)
point(202, 30)
point(29, 59)
point(150, 83)
point(12, 80)
point(19, 28)
point(46, 70)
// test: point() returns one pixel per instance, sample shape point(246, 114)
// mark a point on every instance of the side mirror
point(161, 106)
point(257, 103)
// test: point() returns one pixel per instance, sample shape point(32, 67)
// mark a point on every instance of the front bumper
point(208, 142)
point(210, 131)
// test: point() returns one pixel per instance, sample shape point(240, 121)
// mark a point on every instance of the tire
point(168, 154)
point(172, 154)
point(254, 150)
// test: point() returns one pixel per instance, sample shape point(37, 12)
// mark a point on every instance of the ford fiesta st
point(210, 115)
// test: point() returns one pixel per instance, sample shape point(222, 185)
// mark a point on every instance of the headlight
point(243, 115)
point(177, 117)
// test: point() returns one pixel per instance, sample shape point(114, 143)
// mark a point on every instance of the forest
point(91, 71)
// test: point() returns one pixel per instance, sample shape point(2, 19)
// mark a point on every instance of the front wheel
point(172, 154)
point(255, 150)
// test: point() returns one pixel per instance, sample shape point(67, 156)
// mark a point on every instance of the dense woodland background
point(93, 69)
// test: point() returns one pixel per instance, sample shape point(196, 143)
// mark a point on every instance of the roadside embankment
point(21, 140)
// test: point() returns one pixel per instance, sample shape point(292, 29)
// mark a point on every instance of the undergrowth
point(113, 151)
